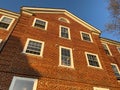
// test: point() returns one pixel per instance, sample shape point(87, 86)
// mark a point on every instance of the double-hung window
point(0, 40)
point(39, 23)
point(5, 22)
point(34, 47)
point(66, 58)
point(116, 70)
point(21, 83)
point(86, 36)
point(93, 60)
point(118, 49)
point(106, 48)
point(99, 88)
point(65, 32)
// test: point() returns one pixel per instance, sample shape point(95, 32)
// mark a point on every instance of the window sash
point(106, 49)
point(116, 71)
point(93, 60)
point(65, 57)
point(64, 32)
point(86, 37)
point(40, 24)
point(34, 47)
point(21, 83)
point(6, 20)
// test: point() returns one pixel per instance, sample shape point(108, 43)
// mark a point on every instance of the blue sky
point(93, 12)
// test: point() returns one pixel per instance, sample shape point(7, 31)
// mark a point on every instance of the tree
point(114, 8)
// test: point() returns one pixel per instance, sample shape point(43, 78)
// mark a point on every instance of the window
point(64, 32)
point(5, 22)
point(39, 23)
point(97, 88)
point(66, 58)
point(116, 71)
point(118, 49)
point(64, 20)
point(20, 83)
point(107, 50)
point(0, 40)
point(86, 36)
point(34, 47)
point(93, 60)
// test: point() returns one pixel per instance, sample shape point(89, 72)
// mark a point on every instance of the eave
point(9, 13)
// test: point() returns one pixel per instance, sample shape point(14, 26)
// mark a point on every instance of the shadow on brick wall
point(14, 63)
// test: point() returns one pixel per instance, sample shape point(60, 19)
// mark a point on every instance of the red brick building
point(52, 49)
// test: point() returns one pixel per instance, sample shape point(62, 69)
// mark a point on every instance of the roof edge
point(110, 41)
point(9, 13)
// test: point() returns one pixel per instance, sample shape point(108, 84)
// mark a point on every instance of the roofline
point(9, 13)
point(110, 41)
point(51, 10)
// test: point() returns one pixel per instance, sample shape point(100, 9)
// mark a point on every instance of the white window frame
point(118, 49)
point(69, 36)
point(27, 42)
point(46, 25)
point(100, 66)
point(65, 20)
point(71, 56)
point(0, 40)
point(107, 48)
point(23, 78)
point(9, 24)
point(99, 88)
point(91, 40)
point(116, 67)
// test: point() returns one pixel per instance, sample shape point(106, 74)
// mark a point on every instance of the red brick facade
point(51, 76)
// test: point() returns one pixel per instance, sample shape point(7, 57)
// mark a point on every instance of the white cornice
point(9, 13)
point(61, 11)
point(104, 40)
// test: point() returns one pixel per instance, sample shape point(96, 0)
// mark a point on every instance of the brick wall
point(51, 76)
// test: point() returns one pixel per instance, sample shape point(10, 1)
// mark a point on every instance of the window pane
point(93, 60)
point(23, 85)
point(34, 47)
point(6, 20)
point(116, 71)
point(64, 32)
point(65, 56)
point(86, 36)
point(40, 24)
point(106, 49)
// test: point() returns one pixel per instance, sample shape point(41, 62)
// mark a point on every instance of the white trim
point(99, 88)
point(25, 47)
point(91, 40)
point(108, 41)
point(46, 25)
point(100, 66)
point(71, 56)
point(67, 21)
point(23, 78)
point(9, 24)
point(9, 13)
point(0, 40)
point(107, 48)
point(69, 36)
point(118, 48)
point(116, 67)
